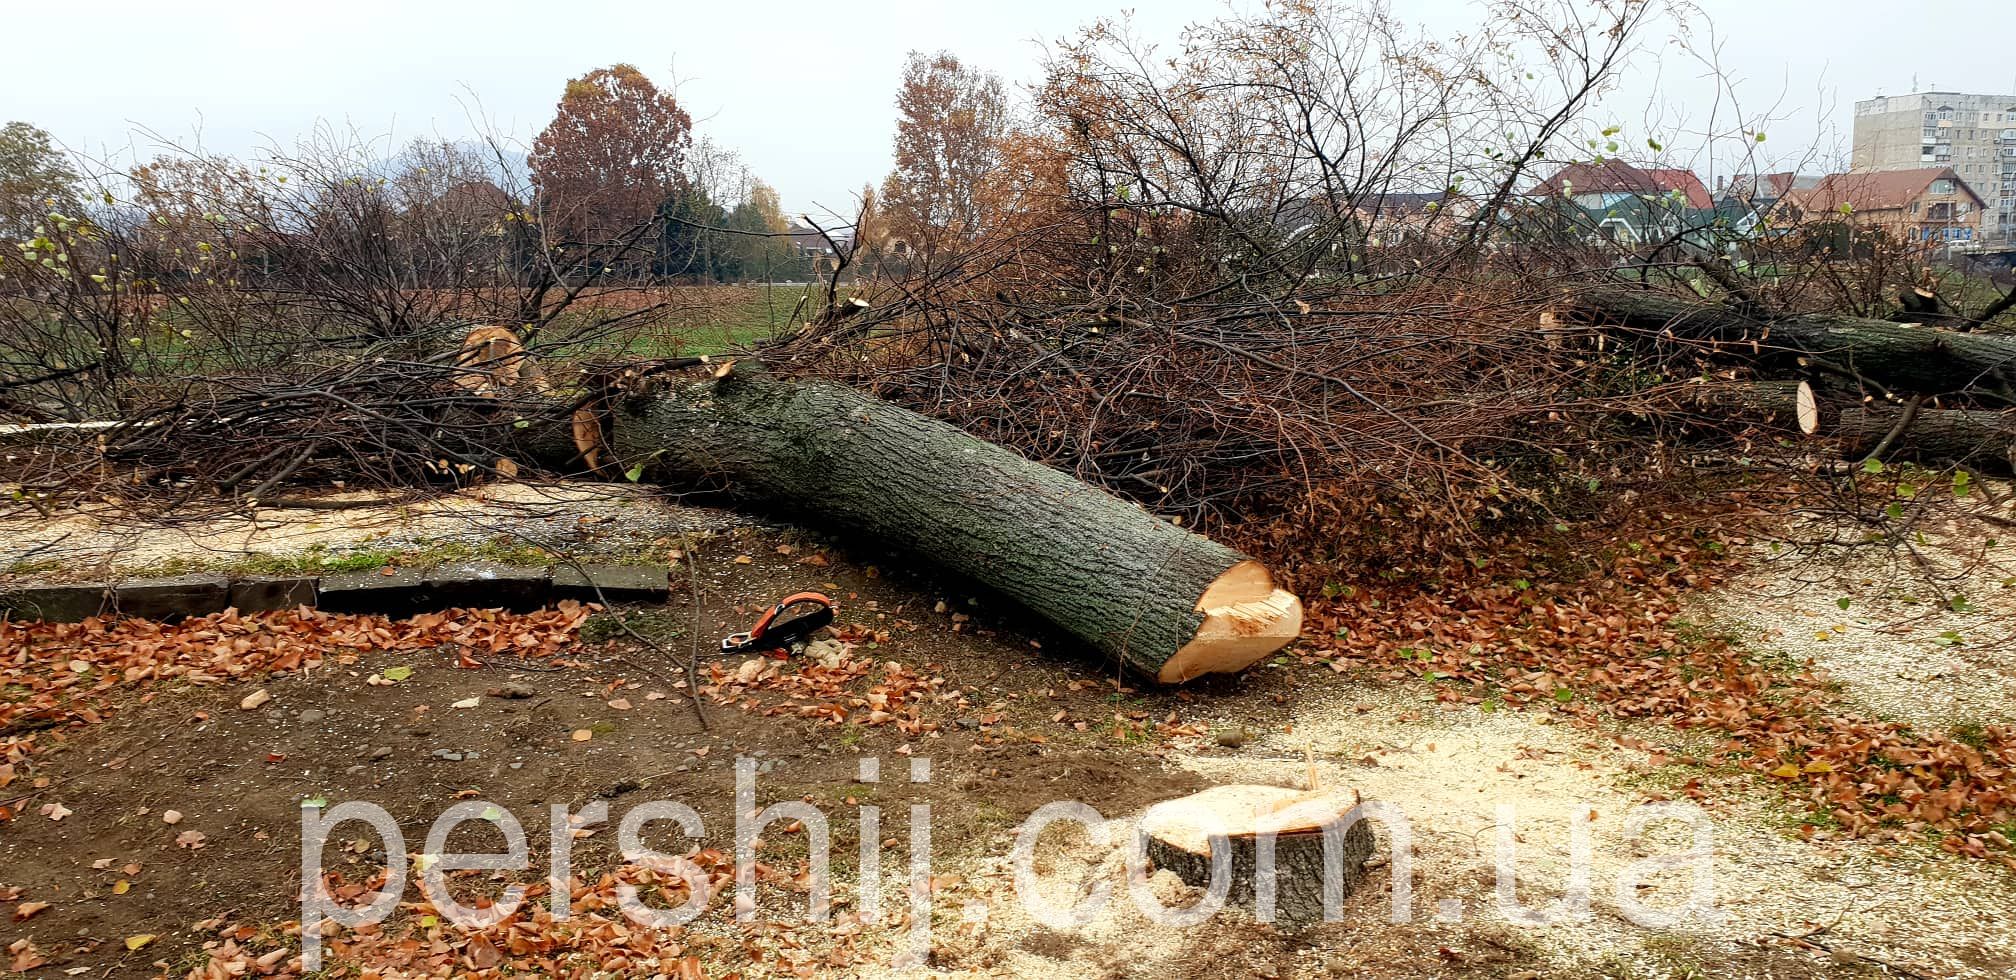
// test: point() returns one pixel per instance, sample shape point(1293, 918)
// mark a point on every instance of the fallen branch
point(1900, 356)
point(1971, 437)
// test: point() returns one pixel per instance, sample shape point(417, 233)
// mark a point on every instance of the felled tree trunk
point(1165, 602)
point(1985, 440)
point(1180, 834)
point(1901, 357)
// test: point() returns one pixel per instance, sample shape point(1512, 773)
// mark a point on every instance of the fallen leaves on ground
point(596, 937)
point(834, 693)
point(59, 675)
point(1609, 639)
point(24, 956)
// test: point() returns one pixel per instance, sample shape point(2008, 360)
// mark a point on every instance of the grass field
point(681, 321)
point(711, 319)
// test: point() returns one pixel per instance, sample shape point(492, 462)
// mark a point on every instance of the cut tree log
point(1165, 602)
point(1984, 440)
point(1901, 357)
point(1179, 835)
point(1777, 406)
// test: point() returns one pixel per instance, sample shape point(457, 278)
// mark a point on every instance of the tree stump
point(1179, 835)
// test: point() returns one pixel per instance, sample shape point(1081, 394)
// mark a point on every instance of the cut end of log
point(1245, 618)
point(588, 438)
point(1808, 409)
point(495, 363)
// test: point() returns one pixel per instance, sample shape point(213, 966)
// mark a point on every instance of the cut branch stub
point(494, 363)
point(1776, 406)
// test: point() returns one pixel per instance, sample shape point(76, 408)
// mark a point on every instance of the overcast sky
point(804, 91)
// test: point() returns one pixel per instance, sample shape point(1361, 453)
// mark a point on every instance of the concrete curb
point(403, 592)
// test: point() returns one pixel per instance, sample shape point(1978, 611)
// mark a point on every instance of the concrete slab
point(398, 594)
point(173, 597)
point(618, 583)
point(264, 593)
point(483, 585)
point(69, 603)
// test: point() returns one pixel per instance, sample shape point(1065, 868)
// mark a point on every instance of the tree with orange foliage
point(614, 152)
point(951, 120)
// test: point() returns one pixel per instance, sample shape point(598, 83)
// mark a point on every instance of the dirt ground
point(1010, 721)
point(1919, 634)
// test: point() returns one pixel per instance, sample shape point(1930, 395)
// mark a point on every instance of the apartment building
point(1973, 134)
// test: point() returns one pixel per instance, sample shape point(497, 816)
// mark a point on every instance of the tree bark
point(1786, 407)
point(1180, 835)
point(1161, 600)
point(1985, 440)
point(1900, 357)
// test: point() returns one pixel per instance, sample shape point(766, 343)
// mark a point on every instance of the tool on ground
point(773, 632)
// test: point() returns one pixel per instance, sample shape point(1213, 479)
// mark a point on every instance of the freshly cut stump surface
point(1178, 834)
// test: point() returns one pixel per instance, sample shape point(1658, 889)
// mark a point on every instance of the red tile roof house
point(1631, 195)
point(1605, 182)
point(1931, 205)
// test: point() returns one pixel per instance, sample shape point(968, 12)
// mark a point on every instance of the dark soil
point(240, 777)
